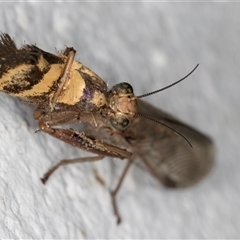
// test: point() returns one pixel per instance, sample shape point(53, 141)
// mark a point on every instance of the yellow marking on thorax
point(73, 89)
point(99, 99)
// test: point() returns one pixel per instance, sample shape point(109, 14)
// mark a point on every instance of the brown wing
point(167, 155)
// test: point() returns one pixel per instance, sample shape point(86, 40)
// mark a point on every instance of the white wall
point(149, 45)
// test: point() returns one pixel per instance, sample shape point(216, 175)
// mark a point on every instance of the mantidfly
point(116, 123)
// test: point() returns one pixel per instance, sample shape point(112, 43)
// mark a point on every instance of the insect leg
point(82, 141)
point(90, 144)
point(75, 138)
point(70, 52)
point(115, 191)
point(69, 161)
point(57, 117)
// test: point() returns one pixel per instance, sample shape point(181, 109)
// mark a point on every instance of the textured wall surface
point(149, 45)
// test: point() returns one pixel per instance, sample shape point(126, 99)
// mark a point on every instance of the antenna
point(159, 122)
point(159, 90)
point(165, 125)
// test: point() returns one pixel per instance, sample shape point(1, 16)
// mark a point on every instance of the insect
point(116, 123)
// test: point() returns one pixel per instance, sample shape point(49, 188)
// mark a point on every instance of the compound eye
point(120, 122)
point(123, 88)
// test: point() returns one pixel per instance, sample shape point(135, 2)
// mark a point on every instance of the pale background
point(149, 45)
